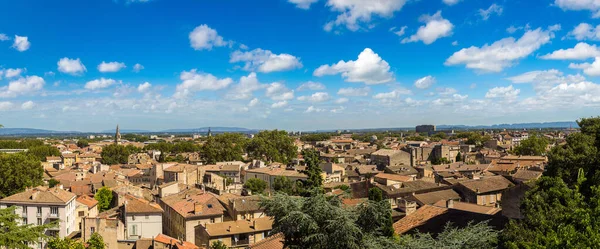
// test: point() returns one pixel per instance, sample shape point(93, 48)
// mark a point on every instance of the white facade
point(143, 226)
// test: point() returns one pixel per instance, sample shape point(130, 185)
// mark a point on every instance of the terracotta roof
point(526, 175)
point(271, 242)
point(164, 239)
point(137, 205)
point(239, 227)
point(487, 184)
point(87, 200)
point(394, 177)
point(222, 167)
point(178, 168)
point(385, 152)
point(41, 195)
point(417, 218)
point(435, 196)
point(246, 203)
point(469, 207)
point(185, 203)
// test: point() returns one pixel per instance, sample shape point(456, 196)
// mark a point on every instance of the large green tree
point(224, 147)
point(17, 172)
point(96, 242)
point(257, 186)
point(43, 151)
point(535, 145)
point(273, 146)
point(474, 235)
point(117, 154)
point(65, 243)
point(104, 197)
point(15, 235)
point(313, 169)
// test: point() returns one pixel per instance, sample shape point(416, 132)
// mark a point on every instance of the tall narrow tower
point(209, 134)
point(118, 136)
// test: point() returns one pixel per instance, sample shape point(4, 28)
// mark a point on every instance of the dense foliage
point(82, 143)
point(224, 147)
point(315, 137)
point(117, 154)
point(42, 151)
point(15, 235)
point(313, 169)
point(96, 242)
point(19, 171)
point(104, 197)
point(533, 146)
point(65, 243)
point(272, 146)
point(257, 186)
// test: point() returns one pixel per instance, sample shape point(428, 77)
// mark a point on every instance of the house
point(183, 173)
point(485, 191)
point(187, 209)
point(234, 234)
point(525, 175)
point(270, 173)
point(433, 197)
point(335, 172)
point(162, 241)
point(41, 205)
point(242, 207)
point(231, 169)
point(387, 157)
point(271, 242)
point(391, 179)
point(107, 224)
point(86, 207)
point(143, 219)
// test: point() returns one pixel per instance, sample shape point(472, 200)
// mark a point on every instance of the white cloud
point(338, 110)
point(502, 53)
point(512, 29)
point(591, 69)
point(21, 43)
point(341, 100)
point(311, 109)
point(425, 82)
point(445, 90)
point(368, 68)
point(590, 5)
point(450, 2)
point(27, 105)
point(110, 67)
point(12, 72)
point(449, 101)
point(493, 9)
point(4, 37)
point(99, 84)
point(144, 87)
point(581, 51)
point(455, 43)
point(315, 97)
point(71, 66)
point(253, 102)
point(303, 4)
point(391, 95)
point(5, 105)
point(585, 31)
point(311, 85)
point(354, 92)
point(354, 13)
point(22, 86)
point(203, 37)
point(243, 90)
point(508, 92)
point(435, 28)
point(265, 61)
point(192, 81)
point(138, 67)
point(542, 80)
point(399, 32)
point(279, 92)
point(279, 104)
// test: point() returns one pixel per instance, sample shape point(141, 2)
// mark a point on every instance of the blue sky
point(296, 64)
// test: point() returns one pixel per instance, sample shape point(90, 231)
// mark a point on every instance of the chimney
point(229, 229)
point(254, 224)
point(450, 203)
point(197, 208)
point(477, 190)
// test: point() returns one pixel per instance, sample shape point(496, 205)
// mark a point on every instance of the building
point(86, 207)
point(242, 207)
point(143, 219)
point(269, 174)
point(183, 173)
point(43, 205)
point(387, 157)
point(425, 129)
point(232, 170)
point(187, 209)
point(485, 191)
point(234, 234)
point(117, 136)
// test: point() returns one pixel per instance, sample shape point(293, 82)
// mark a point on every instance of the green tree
point(257, 186)
point(284, 184)
point(313, 169)
point(82, 143)
point(224, 147)
point(218, 245)
point(65, 243)
point(459, 157)
point(479, 235)
point(96, 242)
point(17, 172)
point(375, 194)
point(273, 146)
point(117, 154)
point(104, 197)
point(53, 182)
point(375, 217)
point(15, 235)
point(533, 146)
point(42, 151)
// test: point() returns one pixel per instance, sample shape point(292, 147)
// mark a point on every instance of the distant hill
point(25, 131)
point(511, 126)
point(205, 129)
point(126, 131)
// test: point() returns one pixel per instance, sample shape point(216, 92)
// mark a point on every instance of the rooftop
point(487, 184)
point(41, 194)
point(239, 227)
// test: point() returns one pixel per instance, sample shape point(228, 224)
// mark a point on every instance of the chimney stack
point(450, 203)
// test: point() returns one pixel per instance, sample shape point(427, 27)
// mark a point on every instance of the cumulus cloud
point(99, 84)
point(581, 51)
point(138, 67)
point(265, 61)
point(312, 109)
point(303, 4)
point(205, 38)
point(279, 92)
point(369, 68)
point(6, 105)
point(247, 86)
point(315, 97)
point(341, 100)
point(311, 85)
point(22, 86)
point(589, 5)
point(425, 82)
point(354, 92)
point(445, 90)
point(110, 67)
point(279, 104)
point(493, 9)
point(253, 102)
point(585, 31)
point(193, 81)
point(591, 69)
point(27, 105)
point(543, 80)
point(4, 37)
point(391, 95)
point(12, 72)
point(435, 28)
point(71, 66)
point(502, 53)
point(507, 93)
point(354, 14)
point(144, 87)
point(21, 43)
point(400, 31)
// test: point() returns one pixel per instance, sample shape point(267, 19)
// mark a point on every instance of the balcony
point(53, 216)
point(240, 243)
point(38, 214)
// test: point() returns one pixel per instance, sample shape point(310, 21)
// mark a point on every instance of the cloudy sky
point(296, 64)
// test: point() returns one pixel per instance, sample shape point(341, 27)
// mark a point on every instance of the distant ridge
point(26, 131)
point(212, 129)
point(512, 126)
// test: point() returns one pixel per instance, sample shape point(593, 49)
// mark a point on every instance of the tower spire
point(118, 136)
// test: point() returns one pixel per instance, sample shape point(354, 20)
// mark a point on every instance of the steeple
point(118, 136)
point(209, 133)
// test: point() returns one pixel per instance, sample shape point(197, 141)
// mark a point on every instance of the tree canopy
point(533, 146)
point(82, 143)
point(117, 154)
point(42, 151)
point(313, 169)
point(19, 171)
point(104, 197)
point(15, 235)
point(257, 186)
point(224, 147)
point(65, 243)
point(273, 146)
point(96, 242)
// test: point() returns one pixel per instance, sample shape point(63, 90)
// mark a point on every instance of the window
point(54, 211)
point(212, 220)
point(81, 213)
point(25, 220)
point(39, 211)
point(147, 217)
point(133, 217)
point(92, 229)
point(134, 230)
point(39, 221)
